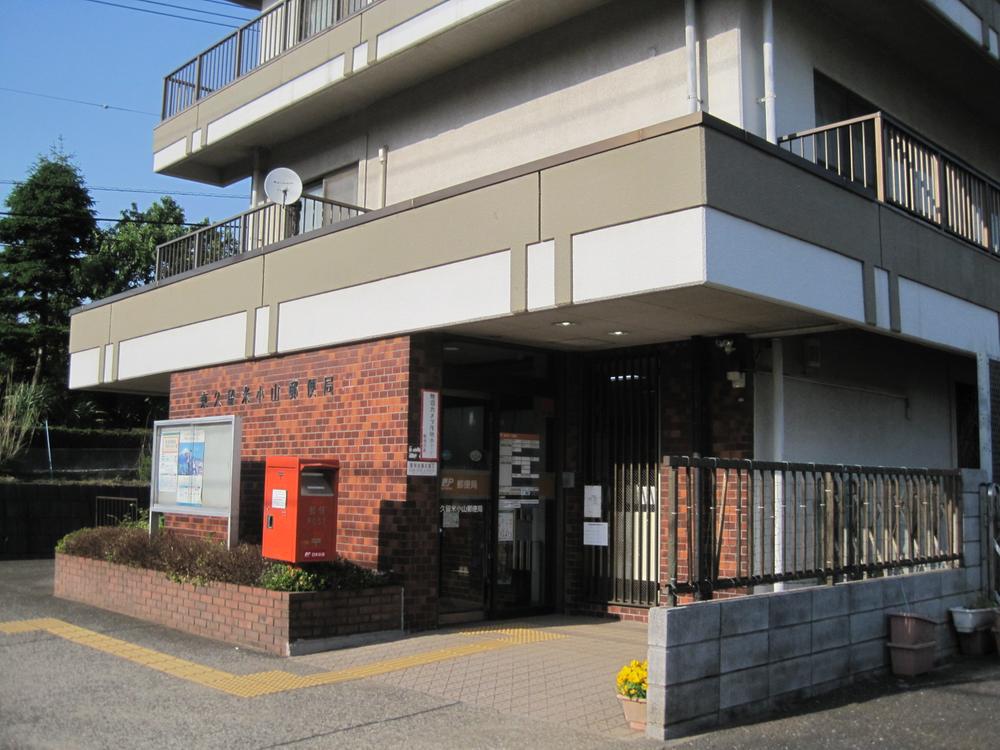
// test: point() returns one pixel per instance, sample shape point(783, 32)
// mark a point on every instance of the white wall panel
point(750, 258)
point(657, 253)
point(279, 98)
point(85, 368)
point(932, 315)
point(194, 345)
point(454, 293)
point(427, 23)
point(170, 154)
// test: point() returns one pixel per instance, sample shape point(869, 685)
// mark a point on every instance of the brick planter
point(274, 621)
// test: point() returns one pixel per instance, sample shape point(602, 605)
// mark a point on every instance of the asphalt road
point(57, 694)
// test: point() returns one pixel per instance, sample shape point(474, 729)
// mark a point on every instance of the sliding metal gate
point(622, 455)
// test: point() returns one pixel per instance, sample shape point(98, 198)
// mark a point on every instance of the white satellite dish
point(283, 186)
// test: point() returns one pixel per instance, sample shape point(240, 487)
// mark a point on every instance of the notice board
point(196, 469)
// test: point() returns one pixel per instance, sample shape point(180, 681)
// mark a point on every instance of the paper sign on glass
point(595, 534)
point(592, 501)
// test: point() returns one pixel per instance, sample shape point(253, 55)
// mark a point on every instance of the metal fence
point(111, 511)
point(739, 523)
point(248, 232)
point(261, 40)
point(884, 158)
point(622, 458)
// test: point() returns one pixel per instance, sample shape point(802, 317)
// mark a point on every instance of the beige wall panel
point(177, 127)
point(384, 16)
point(911, 248)
point(211, 295)
point(493, 218)
point(754, 185)
point(89, 328)
point(632, 182)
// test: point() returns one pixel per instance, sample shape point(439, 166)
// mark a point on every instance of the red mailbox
point(300, 509)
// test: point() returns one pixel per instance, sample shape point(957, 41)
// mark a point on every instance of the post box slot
point(315, 484)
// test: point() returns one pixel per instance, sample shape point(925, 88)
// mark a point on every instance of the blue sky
point(89, 51)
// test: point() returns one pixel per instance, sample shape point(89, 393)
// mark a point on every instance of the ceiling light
point(564, 323)
point(452, 348)
point(618, 333)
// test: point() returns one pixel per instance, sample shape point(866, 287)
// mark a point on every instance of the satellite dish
point(283, 186)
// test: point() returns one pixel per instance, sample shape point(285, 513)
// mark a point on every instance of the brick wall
point(349, 403)
point(256, 618)
point(204, 527)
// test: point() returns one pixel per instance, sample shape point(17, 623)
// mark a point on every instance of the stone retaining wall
point(723, 661)
point(278, 622)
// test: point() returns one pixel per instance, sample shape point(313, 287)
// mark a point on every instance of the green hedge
point(199, 561)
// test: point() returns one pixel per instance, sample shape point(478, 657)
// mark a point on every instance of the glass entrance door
point(466, 492)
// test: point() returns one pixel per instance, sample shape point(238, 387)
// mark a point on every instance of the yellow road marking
point(265, 683)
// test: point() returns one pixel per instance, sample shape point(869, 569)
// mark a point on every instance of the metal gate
point(622, 455)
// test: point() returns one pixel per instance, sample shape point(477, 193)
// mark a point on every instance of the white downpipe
point(778, 448)
point(985, 417)
point(770, 129)
point(690, 46)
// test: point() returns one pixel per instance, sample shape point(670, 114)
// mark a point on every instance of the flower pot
point(977, 643)
point(969, 620)
point(911, 660)
point(906, 628)
point(635, 712)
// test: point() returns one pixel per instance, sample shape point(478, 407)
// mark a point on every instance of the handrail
point(278, 29)
point(249, 232)
point(884, 157)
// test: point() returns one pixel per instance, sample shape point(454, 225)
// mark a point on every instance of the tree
point(126, 253)
point(50, 228)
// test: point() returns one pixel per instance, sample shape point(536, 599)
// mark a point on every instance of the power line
point(15, 215)
point(136, 190)
point(78, 101)
point(194, 10)
point(161, 13)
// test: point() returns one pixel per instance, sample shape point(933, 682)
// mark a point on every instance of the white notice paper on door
point(592, 501)
point(595, 534)
point(505, 527)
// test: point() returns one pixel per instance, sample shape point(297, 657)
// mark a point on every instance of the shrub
point(192, 560)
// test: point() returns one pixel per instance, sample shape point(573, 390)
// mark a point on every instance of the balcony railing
point(736, 524)
point(887, 160)
point(279, 29)
point(248, 232)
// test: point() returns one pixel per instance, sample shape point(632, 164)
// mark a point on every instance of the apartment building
point(568, 275)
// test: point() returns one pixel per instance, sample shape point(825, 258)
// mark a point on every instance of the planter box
point(279, 622)
point(970, 620)
point(912, 660)
point(977, 643)
point(907, 628)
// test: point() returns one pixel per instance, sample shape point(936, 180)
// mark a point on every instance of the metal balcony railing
point(736, 523)
point(248, 232)
point(887, 160)
point(261, 40)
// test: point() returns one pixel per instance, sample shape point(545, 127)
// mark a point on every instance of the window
point(339, 186)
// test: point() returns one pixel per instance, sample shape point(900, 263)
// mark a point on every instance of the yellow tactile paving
point(265, 683)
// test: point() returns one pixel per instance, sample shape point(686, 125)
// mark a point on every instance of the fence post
point(879, 159)
point(197, 78)
point(239, 53)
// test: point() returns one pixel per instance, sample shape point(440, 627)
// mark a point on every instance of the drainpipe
point(690, 45)
point(985, 416)
point(383, 160)
point(778, 449)
point(770, 130)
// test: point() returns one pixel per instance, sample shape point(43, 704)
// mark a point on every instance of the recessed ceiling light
point(618, 333)
point(452, 348)
point(564, 323)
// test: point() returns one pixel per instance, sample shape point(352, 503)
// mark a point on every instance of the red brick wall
point(205, 527)
point(252, 617)
point(362, 422)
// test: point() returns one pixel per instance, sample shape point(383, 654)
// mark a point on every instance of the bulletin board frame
point(196, 470)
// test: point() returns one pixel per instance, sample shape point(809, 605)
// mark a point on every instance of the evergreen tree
point(49, 230)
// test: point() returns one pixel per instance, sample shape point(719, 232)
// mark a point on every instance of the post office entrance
point(497, 497)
